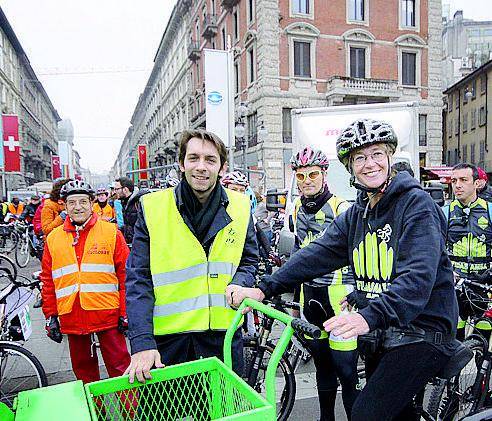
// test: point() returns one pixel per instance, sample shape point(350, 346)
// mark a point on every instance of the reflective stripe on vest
point(189, 287)
point(174, 277)
point(95, 282)
point(85, 267)
point(65, 270)
point(195, 303)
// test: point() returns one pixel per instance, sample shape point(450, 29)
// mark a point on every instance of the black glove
point(357, 299)
point(53, 329)
point(122, 324)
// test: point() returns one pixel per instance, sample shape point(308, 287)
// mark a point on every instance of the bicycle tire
point(8, 269)
point(38, 371)
point(22, 252)
point(10, 242)
point(445, 408)
point(288, 395)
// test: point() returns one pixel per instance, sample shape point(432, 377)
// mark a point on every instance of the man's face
point(102, 197)
point(370, 165)
point(464, 187)
point(201, 165)
point(35, 201)
point(79, 208)
point(236, 187)
point(310, 180)
point(121, 192)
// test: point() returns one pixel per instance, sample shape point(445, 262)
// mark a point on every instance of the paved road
point(55, 358)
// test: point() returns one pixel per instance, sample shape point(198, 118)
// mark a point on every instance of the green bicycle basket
point(200, 390)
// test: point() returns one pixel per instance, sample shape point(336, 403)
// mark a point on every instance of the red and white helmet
point(482, 175)
point(235, 177)
point(308, 157)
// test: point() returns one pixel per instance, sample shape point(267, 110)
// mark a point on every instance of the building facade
point(466, 45)
point(466, 137)
point(22, 94)
point(296, 54)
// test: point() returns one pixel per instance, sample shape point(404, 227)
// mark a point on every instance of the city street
point(55, 359)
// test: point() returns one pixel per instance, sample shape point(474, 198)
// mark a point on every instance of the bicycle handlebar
point(464, 281)
point(302, 326)
point(291, 325)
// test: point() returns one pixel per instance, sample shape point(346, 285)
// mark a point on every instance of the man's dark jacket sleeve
point(246, 272)
point(140, 290)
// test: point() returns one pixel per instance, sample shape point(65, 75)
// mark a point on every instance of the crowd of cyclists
point(168, 267)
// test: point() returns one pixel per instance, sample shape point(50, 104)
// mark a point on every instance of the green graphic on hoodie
point(373, 260)
point(469, 246)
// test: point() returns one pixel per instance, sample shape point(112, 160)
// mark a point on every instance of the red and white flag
point(11, 145)
point(142, 161)
point(55, 167)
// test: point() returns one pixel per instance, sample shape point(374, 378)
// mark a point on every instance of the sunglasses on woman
point(313, 175)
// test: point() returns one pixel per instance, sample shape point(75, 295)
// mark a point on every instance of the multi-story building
point(466, 45)
point(466, 137)
point(295, 54)
point(21, 93)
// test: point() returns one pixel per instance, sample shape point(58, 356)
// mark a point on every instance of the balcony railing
point(194, 52)
point(343, 85)
point(209, 26)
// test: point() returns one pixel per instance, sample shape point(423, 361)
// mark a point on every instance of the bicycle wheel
point(8, 242)
point(19, 370)
point(450, 400)
point(285, 379)
point(8, 271)
point(22, 252)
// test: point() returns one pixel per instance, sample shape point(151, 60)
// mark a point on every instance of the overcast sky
point(112, 43)
point(110, 46)
point(472, 9)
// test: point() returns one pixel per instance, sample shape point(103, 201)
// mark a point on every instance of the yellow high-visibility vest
point(189, 287)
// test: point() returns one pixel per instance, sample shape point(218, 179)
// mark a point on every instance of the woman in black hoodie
point(394, 240)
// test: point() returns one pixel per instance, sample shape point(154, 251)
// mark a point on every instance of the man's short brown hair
point(187, 135)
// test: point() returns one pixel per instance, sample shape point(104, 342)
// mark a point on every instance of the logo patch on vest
point(98, 249)
point(231, 236)
point(483, 222)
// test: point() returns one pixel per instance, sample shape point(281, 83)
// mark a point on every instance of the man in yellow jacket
point(190, 242)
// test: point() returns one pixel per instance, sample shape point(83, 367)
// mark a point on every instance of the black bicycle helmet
point(362, 133)
point(76, 187)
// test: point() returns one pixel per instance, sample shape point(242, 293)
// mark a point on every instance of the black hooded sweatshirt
point(398, 256)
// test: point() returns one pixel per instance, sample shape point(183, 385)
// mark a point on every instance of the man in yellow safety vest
point(190, 242)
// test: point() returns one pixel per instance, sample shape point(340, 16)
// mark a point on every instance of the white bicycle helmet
point(76, 187)
point(235, 177)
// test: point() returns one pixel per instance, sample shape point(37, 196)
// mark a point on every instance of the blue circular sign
point(214, 98)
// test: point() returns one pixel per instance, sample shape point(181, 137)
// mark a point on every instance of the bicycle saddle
point(461, 357)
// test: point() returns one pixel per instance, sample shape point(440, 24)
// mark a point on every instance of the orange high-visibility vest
point(106, 212)
point(13, 210)
point(95, 280)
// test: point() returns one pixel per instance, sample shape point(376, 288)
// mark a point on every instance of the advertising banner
point(218, 103)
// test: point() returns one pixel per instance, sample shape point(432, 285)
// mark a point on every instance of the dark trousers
point(393, 379)
point(331, 364)
point(180, 348)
